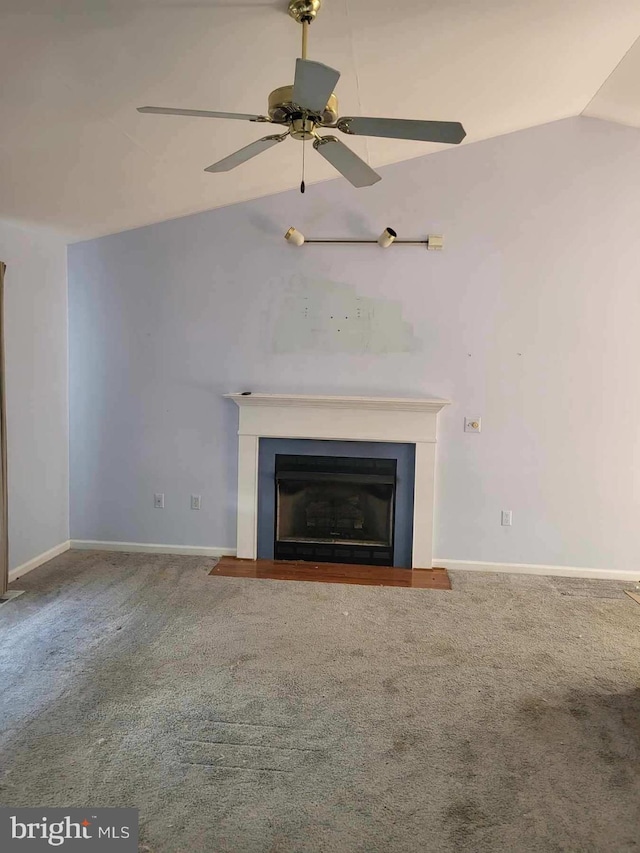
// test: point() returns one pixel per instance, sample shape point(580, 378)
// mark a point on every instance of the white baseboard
point(32, 564)
point(149, 548)
point(201, 551)
point(539, 569)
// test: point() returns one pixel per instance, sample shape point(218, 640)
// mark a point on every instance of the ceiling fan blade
point(313, 85)
point(246, 153)
point(451, 132)
point(347, 162)
point(170, 111)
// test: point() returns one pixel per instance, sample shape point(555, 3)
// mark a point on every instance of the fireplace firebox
point(334, 509)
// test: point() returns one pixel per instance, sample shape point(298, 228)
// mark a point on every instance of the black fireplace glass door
point(308, 511)
point(335, 509)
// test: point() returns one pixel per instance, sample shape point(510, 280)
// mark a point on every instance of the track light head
point(386, 238)
point(294, 236)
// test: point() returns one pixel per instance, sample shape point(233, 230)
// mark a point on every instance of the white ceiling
point(76, 156)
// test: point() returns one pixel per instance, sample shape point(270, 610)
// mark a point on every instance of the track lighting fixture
point(387, 237)
point(294, 236)
point(433, 242)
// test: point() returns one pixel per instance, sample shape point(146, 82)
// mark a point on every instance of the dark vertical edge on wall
point(4, 508)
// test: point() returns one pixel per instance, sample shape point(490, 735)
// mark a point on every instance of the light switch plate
point(472, 424)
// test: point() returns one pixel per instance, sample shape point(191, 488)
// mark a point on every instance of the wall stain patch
point(328, 316)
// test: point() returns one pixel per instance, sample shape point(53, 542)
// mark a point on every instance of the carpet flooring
point(258, 716)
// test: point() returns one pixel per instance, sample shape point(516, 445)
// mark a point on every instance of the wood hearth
point(283, 570)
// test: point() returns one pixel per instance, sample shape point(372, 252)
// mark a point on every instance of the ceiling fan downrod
point(304, 12)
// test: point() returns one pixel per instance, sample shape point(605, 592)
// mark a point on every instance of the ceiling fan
point(311, 105)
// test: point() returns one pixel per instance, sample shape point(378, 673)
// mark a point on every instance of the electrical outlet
point(507, 516)
point(158, 500)
point(472, 424)
point(195, 501)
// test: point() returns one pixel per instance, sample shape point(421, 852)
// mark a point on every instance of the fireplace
point(334, 509)
point(380, 422)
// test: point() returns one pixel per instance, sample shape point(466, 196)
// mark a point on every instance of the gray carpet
point(246, 716)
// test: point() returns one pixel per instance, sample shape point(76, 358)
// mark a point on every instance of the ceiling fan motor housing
point(283, 111)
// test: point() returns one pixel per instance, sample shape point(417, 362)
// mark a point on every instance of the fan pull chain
point(305, 33)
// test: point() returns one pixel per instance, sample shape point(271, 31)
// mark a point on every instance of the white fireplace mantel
point(409, 420)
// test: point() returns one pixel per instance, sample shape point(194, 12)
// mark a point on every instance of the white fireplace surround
point(408, 420)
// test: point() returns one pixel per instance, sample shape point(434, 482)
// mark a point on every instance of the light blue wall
point(529, 318)
point(35, 302)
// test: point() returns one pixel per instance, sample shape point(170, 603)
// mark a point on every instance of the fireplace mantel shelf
point(397, 404)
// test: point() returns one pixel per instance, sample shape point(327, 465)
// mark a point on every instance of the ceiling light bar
point(433, 242)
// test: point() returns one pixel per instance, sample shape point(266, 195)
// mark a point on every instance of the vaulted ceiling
point(76, 156)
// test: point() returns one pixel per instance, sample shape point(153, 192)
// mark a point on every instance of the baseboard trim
point(213, 551)
point(151, 548)
point(538, 569)
point(35, 562)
